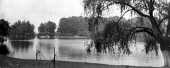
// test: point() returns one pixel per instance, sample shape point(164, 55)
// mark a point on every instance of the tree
point(47, 28)
point(4, 27)
point(155, 11)
point(51, 26)
point(41, 28)
point(22, 30)
point(73, 26)
point(4, 32)
point(168, 26)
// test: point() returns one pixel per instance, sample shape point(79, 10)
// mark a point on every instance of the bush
point(4, 49)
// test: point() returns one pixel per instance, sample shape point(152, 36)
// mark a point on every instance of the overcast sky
point(40, 10)
point(37, 11)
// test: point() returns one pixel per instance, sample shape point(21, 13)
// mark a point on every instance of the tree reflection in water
point(46, 49)
point(21, 45)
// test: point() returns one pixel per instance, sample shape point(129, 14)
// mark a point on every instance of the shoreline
point(55, 37)
point(8, 62)
point(72, 37)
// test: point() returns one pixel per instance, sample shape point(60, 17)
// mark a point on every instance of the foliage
point(47, 28)
point(73, 26)
point(4, 32)
point(4, 50)
point(155, 11)
point(116, 33)
point(4, 27)
point(22, 30)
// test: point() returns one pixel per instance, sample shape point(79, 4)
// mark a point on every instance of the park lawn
point(7, 62)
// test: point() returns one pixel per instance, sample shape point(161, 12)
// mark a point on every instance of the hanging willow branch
point(120, 36)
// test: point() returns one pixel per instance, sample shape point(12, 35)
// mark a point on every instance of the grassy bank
point(63, 37)
point(7, 62)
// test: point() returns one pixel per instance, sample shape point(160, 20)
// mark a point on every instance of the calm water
point(75, 50)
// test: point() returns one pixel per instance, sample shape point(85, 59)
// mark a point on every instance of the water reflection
point(74, 50)
point(46, 49)
point(22, 49)
point(21, 45)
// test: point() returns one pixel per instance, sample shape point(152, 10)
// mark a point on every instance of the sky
point(37, 11)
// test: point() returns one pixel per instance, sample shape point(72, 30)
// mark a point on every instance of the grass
point(7, 62)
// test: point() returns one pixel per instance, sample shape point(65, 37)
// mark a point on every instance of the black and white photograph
point(84, 33)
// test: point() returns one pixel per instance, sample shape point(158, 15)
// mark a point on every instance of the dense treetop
point(22, 30)
point(73, 26)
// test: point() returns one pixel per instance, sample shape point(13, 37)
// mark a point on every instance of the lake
point(75, 50)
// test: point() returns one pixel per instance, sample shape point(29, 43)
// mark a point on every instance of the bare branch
point(149, 31)
point(133, 8)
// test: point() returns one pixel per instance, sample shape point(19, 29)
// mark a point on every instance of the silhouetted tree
point(4, 27)
point(168, 26)
point(4, 49)
point(4, 32)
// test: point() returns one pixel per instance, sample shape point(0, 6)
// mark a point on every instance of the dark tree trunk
point(164, 41)
point(168, 26)
point(165, 44)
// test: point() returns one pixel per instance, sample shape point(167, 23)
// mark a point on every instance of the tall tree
point(73, 26)
point(168, 26)
point(51, 26)
point(22, 30)
point(154, 10)
point(4, 32)
point(4, 27)
point(41, 28)
point(47, 28)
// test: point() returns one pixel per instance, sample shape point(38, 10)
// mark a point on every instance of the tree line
point(23, 30)
point(71, 26)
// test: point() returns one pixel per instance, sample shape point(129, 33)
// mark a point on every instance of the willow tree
point(154, 10)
